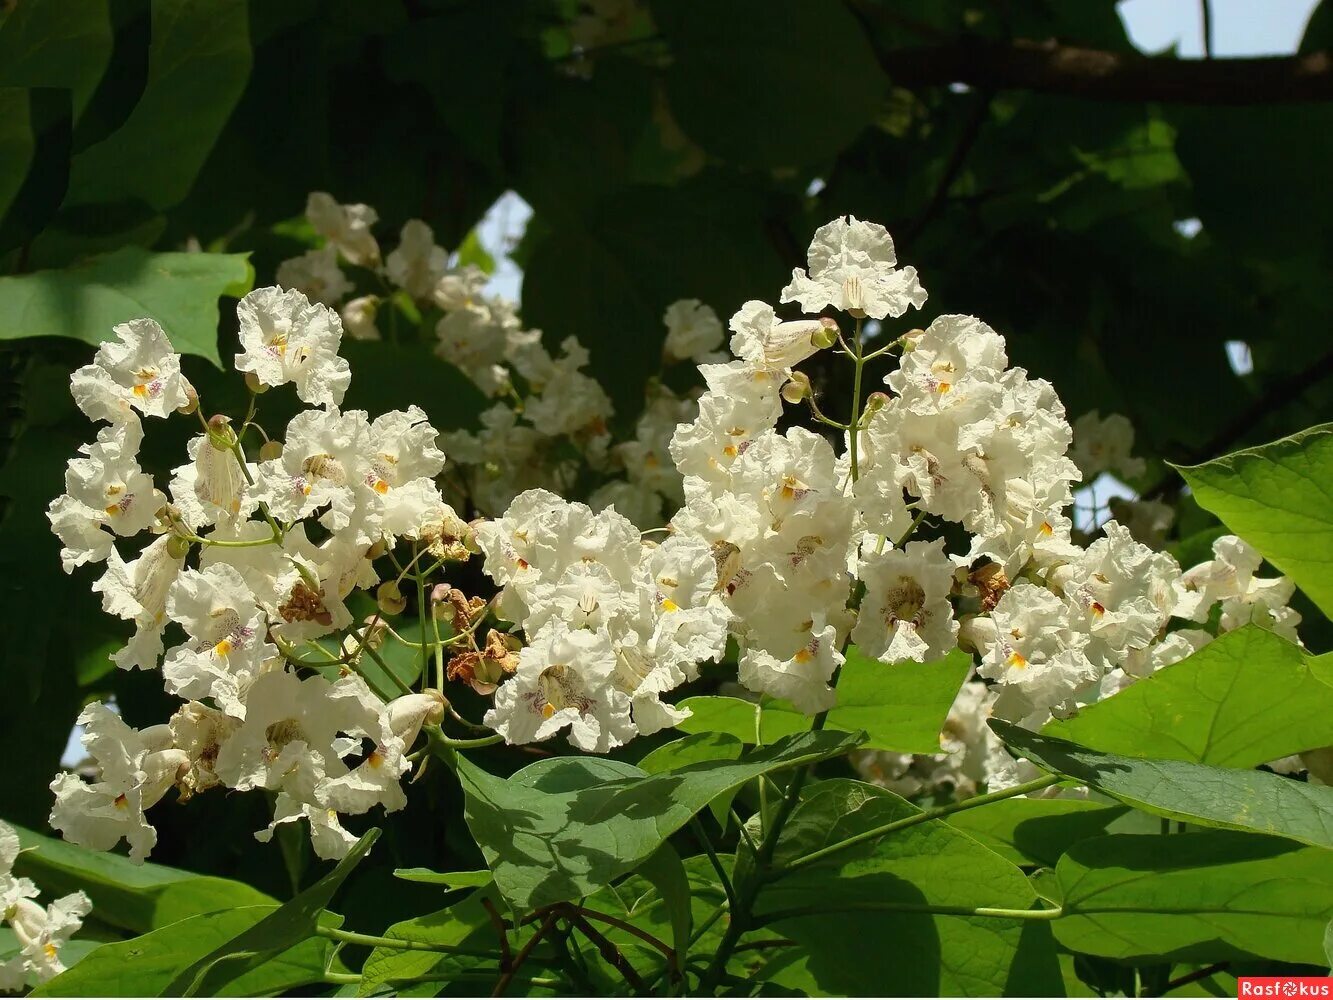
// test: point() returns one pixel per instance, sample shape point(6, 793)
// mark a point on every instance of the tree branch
point(1051, 68)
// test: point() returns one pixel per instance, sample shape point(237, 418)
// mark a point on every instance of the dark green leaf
point(179, 290)
point(901, 706)
point(55, 43)
point(694, 749)
point(1195, 897)
point(667, 874)
point(198, 63)
point(1195, 793)
point(1035, 831)
point(561, 828)
point(1248, 698)
point(929, 864)
point(450, 880)
point(731, 78)
point(136, 897)
point(287, 926)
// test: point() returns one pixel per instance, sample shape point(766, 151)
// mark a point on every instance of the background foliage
point(689, 158)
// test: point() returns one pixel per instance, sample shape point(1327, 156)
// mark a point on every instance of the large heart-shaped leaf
point(1258, 801)
point(563, 827)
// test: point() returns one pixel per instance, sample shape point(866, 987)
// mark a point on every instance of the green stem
point(402, 944)
point(697, 826)
point(857, 905)
point(222, 543)
point(423, 609)
point(901, 824)
point(436, 735)
point(365, 646)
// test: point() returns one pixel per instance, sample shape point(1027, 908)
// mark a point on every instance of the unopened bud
point(377, 550)
point(191, 401)
point(270, 451)
point(876, 401)
point(178, 547)
point(910, 338)
point(390, 598)
point(253, 384)
point(797, 388)
point(827, 334)
point(220, 434)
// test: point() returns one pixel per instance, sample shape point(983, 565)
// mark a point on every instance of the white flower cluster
point(808, 543)
point(550, 418)
point(40, 931)
point(260, 587)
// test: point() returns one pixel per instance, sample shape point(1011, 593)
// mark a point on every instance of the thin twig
point(507, 976)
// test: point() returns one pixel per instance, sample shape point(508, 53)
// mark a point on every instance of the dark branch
point(1051, 68)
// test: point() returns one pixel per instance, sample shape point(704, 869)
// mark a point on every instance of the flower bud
point(410, 712)
point(827, 334)
point(876, 401)
point(220, 434)
point(178, 547)
point(270, 451)
point(253, 384)
point(377, 550)
point(797, 388)
point(191, 401)
point(390, 598)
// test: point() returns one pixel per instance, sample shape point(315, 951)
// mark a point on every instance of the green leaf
point(1257, 801)
point(1276, 497)
point(290, 924)
point(450, 880)
point(145, 965)
point(1195, 897)
point(179, 290)
point(667, 874)
point(929, 864)
point(562, 827)
point(1248, 698)
point(55, 43)
point(198, 64)
point(727, 96)
point(136, 897)
point(466, 924)
point(1035, 831)
point(901, 706)
point(694, 749)
point(470, 251)
point(16, 144)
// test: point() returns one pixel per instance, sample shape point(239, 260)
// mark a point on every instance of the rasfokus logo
point(1284, 986)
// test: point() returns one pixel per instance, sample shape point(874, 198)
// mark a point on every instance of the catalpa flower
point(286, 338)
point(417, 265)
point(347, 227)
point(852, 268)
point(137, 371)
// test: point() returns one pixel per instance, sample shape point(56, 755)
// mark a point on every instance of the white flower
point(568, 401)
point(1104, 445)
point(1229, 577)
point(40, 933)
point(473, 338)
point(852, 268)
point(763, 340)
point(211, 487)
point(137, 591)
point(1147, 520)
point(905, 614)
point(742, 401)
point(358, 316)
point(1173, 648)
point(635, 500)
point(1120, 593)
point(404, 461)
point(107, 494)
point(325, 460)
point(693, 330)
point(417, 265)
point(200, 732)
point(565, 678)
point(315, 274)
point(799, 675)
point(227, 648)
point(138, 371)
point(135, 770)
point(347, 227)
point(459, 288)
point(1034, 652)
point(287, 338)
